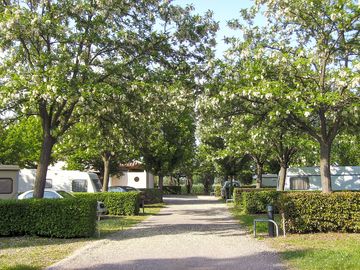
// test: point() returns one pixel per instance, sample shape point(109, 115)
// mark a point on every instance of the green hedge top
point(318, 212)
point(117, 203)
point(62, 218)
point(237, 195)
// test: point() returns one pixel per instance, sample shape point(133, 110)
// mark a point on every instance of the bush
point(172, 190)
point(64, 218)
point(255, 202)
point(317, 212)
point(198, 189)
point(217, 190)
point(238, 192)
point(117, 203)
point(152, 195)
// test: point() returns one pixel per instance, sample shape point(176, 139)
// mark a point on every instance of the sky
point(224, 10)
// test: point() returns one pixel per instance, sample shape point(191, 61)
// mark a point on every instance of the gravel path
point(190, 233)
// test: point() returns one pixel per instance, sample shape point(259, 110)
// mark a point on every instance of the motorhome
point(268, 180)
point(9, 181)
point(308, 178)
point(72, 181)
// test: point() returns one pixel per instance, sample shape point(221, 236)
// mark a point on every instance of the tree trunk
point(259, 171)
point(41, 171)
point(325, 149)
point(161, 182)
point(282, 177)
point(189, 184)
point(106, 159)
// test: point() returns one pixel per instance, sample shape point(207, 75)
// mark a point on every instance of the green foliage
point(117, 203)
point(198, 189)
point(171, 190)
point(20, 142)
point(217, 190)
point(152, 195)
point(307, 212)
point(254, 201)
point(65, 218)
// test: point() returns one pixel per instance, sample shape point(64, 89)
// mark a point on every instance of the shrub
point(217, 190)
point(255, 202)
point(317, 212)
point(64, 218)
point(152, 195)
point(171, 190)
point(117, 203)
point(238, 192)
point(198, 189)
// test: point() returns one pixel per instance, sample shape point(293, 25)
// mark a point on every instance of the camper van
point(8, 181)
point(71, 181)
point(308, 178)
point(268, 180)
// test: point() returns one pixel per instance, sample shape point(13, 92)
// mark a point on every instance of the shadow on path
point(251, 262)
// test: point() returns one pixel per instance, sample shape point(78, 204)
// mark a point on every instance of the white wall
point(146, 180)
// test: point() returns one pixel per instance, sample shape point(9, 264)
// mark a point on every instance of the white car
point(59, 194)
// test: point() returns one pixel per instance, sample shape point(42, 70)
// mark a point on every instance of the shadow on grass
point(20, 267)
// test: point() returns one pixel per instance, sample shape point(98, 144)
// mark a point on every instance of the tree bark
point(259, 171)
point(325, 150)
point(161, 182)
point(41, 171)
point(106, 159)
point(282, 177)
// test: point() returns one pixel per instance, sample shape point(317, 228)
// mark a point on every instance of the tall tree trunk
point(259, 171)
point(189, 184)
point(325, 150)
point(106, 159)
point(161, 182)
point(282, 176)
point(41, 171)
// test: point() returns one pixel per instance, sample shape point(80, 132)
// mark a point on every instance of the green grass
point(331, 251)
point(35, 253)
point(320, 251)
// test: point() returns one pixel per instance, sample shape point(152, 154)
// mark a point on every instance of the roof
point(133, 165)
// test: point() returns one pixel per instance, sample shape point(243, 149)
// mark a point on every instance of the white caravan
point(308, 178)
point(72, 181)
point(9, 181)
point(268, 180)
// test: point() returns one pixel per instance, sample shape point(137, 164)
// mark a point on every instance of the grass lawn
point(328, 251)
point(33, 253)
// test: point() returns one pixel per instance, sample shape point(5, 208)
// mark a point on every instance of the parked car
point(127, 189)
point(122, 189)
point(59, 194)
point(226, 185)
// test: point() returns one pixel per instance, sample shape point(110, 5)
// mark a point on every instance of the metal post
point(270, 213)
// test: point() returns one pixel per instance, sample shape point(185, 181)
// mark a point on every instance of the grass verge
point(34, 253)
point(309, 251)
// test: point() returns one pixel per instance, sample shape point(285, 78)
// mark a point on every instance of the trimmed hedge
point(217, 190)
point(152, 195)
point(238, 192)
point(317, 212)
point(172, 190)
point(117, 203)
point(255, 202)
point(197, 189)
point(64, 218)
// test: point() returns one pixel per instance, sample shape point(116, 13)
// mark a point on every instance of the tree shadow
point(260, 260)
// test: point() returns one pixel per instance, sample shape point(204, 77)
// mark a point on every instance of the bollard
point(270, 212)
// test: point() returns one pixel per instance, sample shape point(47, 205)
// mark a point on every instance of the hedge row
point(152, 195)
point(197, 189)
point(65, 218)
point(172, 190)
point(256, 202)
point(239, 198)
point(317, 212)
point(117, 203)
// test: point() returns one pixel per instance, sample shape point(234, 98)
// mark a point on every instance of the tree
point(20, 142)
point(312, 49)
point(58, 54)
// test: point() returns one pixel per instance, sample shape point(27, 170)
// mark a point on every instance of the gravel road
point(190, 233)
